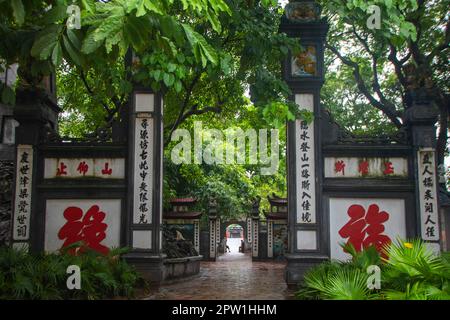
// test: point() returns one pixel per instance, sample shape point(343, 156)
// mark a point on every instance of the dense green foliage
point(249, 48)
point(43, 276)
point(234, 186)
point(209, 57)
point(370, 71)
point(411, 272)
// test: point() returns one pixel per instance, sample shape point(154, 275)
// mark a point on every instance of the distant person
point(225, 245)
point(242, 247)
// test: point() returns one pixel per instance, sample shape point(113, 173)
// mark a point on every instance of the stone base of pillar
point(298, 265)
point(150, 266)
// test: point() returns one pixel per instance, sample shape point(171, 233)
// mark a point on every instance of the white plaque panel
point(364, 222)
point(428, 195)
point(104, 168)
point(365, 167)
point(305, 163)
point(145, 102)
point(306, 240)
point(96, 221)
point(143, 171)
point(22, 201)
point(142, 239)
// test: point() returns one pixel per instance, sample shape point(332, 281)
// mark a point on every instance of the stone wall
point(6, 183)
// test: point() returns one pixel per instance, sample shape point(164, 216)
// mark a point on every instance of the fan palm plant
point(410, 272)
point(413, 271)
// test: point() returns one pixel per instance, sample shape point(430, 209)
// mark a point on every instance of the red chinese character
point(61, 170)
point(339, 166)
point(83, 168)
point(365, 230)
point(364, 168)
point(107, 170)
point(389, 168)
point(89, 229)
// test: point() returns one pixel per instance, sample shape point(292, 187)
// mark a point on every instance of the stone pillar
point(269, 238)
point(249, 229)
point(304, 73)
point(197, 235)
point(36, 112)
point(421, 117)
point(145, 172)
point(255, 229)
point(213, 243)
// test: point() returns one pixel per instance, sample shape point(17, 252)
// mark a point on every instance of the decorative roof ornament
point(301, 11)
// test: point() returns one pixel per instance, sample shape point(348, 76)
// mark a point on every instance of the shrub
point(43, 276)
point(410, 272)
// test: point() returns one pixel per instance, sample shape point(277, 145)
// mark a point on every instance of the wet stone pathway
point(232, 277)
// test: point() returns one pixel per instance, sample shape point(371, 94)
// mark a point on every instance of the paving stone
point(233, 277)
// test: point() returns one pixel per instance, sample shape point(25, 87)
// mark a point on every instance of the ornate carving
point(305, 63)
point(303, 11)
point(419, 85)
point(333, 133)
point(101, 135)
point(255, 206)
point(400, 137)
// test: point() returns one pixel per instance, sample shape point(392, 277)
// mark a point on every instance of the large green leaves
point(18, 11)
point(203, 51)
point(46, 43)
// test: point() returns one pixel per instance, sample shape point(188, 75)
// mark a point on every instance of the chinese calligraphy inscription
point(143, 168)
point(427, 192)
point(305, 163)
point(22, 207)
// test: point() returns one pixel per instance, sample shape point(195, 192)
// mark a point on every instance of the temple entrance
point(234, 236)
point(234, 244)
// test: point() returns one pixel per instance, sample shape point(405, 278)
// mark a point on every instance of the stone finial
point(300, 11)
point(255, 206)
point(212, 207)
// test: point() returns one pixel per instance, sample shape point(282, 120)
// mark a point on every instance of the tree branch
point(388, 110)
point(115, 100)
point(185, 103)
point(442, 46)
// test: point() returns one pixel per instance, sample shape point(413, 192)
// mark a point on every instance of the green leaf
point(90, 44)
point(153, 6)
point(74, 40)
point(58, 12)
point(18, 11)
point(139, 5)
point(168, 79)
point(157, 75)
point(202, 49)
point(88, 5)
point(109, 27)
point(178, 86)
point(57, 55)
point(45, 43)
point(214, 20)
point(76, 58)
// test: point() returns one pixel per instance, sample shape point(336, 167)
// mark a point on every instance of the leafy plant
point(411, 272)
point(43, 276)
